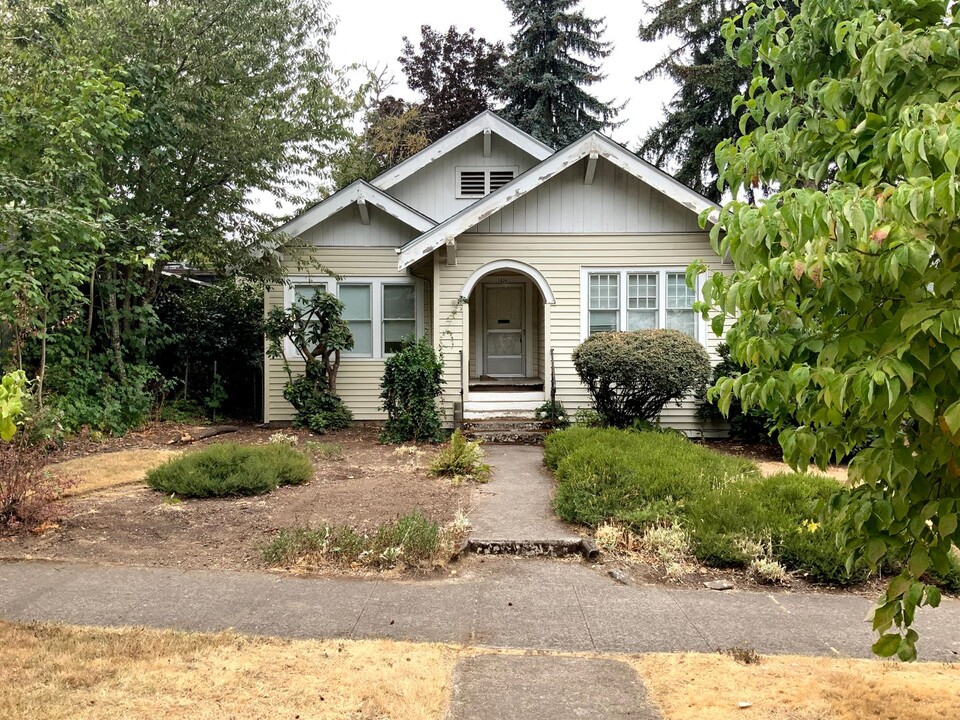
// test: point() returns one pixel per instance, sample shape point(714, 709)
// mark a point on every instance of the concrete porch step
point(506, 430)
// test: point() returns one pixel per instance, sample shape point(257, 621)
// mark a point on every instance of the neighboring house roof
point(485, 123)
point(362, 193)
point(592, 146)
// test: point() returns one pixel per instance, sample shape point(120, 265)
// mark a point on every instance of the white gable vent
point(477, 182)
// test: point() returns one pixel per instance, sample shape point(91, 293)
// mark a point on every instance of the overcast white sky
point(371, 32)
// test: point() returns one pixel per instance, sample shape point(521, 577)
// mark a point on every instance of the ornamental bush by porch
point(412, 382)
point(632, 375)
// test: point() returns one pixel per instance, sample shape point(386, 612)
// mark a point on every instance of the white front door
point(503, 341)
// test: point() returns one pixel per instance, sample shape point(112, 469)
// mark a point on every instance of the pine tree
point(699, 116)
point(553, 55)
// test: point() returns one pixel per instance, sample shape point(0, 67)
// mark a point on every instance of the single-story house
point(507, 253)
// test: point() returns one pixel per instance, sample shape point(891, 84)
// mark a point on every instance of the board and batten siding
point(358, 381)
point(561, 258)
point(616, 202)
point(433, 190)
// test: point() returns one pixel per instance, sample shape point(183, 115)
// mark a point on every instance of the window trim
point(623, 272)
point(486, 170)
point(376, 308)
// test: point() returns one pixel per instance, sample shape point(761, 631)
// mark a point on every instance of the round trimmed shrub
point(231, 469)
point(632, 375)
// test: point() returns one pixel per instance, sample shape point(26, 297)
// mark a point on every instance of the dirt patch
point(769, 457)
point(107, 470)
point(358, 482)
point(50, 672)
point(711, 687)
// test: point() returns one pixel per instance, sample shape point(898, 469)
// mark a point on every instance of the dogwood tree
point(843, 301)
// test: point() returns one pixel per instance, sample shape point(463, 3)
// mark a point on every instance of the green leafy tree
point(700, 114)
point(457, 73)
point(555, 55)
point(843, 297)
point(64, 119)
point(391, 130)
point(319, 334)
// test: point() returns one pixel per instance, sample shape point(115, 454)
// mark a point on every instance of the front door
point(503, 330)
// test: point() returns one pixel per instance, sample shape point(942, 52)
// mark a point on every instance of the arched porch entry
point(506, 337)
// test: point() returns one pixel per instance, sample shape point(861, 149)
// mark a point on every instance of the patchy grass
point(650, 484)
point(107, 470)
point(412, 541)
point(49, 672)
point(231, 469)
point(710, 687)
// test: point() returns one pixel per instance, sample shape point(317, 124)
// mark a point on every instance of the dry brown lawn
point(107, 470)
point(710, 687)
point(49, 672)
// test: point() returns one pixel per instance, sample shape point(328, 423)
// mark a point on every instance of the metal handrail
point(553, 380)
point(460, 370)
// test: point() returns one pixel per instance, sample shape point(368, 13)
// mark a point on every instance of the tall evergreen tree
point(699, 116)
point(555, 55)
point(457, 73)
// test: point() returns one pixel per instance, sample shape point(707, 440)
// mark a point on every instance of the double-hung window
point(641, 299)
point(381, 312)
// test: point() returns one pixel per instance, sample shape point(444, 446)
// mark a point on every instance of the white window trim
point(486, 170)
point(623, 272)
point(376, 308)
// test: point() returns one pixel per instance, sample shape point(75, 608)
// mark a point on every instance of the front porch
point(506, 365)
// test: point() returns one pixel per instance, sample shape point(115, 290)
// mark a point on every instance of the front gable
point(619, 202)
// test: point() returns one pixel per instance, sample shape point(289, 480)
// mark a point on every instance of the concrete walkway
point(502, 603)
point(547, 687)
point(515, 506)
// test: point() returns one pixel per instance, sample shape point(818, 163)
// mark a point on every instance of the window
point(381, 312)
point(680, 299)
point(641, 301)
point(303, 294)
point(477, 182)
point(358, 312)
point(399, 316)
point(655, 298)
point(604, 302)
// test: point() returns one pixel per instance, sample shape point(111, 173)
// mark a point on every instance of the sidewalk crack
point(706, 642)
point(583, 614)
point(366, 602)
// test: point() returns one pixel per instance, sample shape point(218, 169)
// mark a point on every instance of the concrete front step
point(506, 430)
point(557, 547)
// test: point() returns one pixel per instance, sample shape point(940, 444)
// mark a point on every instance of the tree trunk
point(42, 371)
point(91, 299)
point(332, 369)
point(115, 338)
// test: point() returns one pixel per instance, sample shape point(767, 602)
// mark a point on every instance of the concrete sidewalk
point(503, 603)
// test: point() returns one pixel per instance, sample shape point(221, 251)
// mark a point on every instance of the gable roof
point(356, 192)
point(487, 121)
point(593, 145)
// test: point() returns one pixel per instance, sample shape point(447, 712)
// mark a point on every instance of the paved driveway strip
point(536, 604)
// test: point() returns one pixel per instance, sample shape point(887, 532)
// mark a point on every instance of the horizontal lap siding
point(560, 259)
point(358, 381)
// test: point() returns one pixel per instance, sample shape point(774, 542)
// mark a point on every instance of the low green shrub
point(554, 414)
point(230, 469)
point(643, 479)
point(412, 381)
point(461, 459)
point(412, 541)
